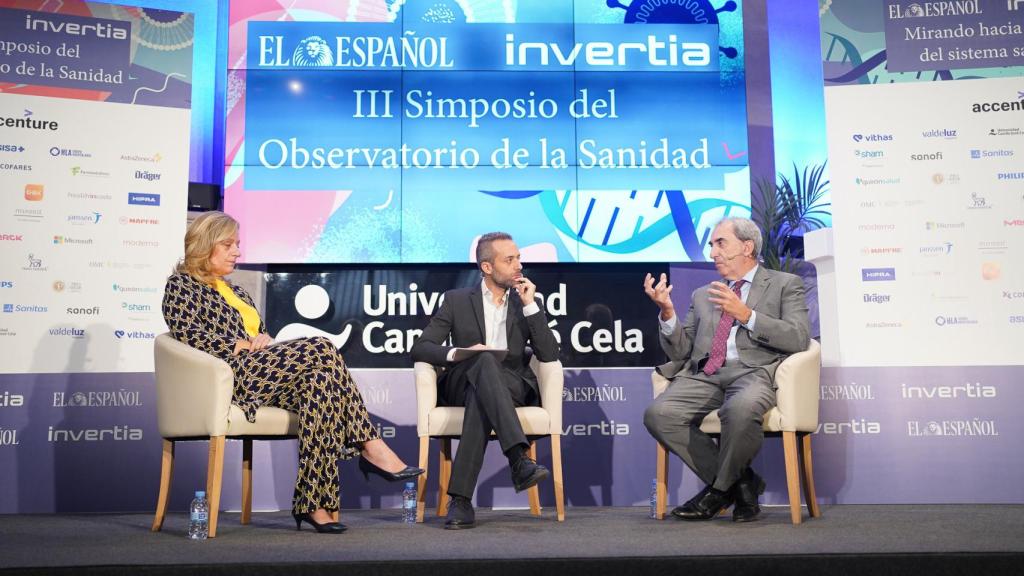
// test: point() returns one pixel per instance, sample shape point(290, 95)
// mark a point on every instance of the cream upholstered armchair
point(795, 418)
point(445, 423)
point(193, 399)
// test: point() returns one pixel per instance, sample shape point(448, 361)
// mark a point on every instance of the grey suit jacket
point(781, 328)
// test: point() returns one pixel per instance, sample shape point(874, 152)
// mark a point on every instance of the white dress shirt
point(496, 318)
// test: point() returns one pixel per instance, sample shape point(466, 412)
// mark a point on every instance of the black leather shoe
point(325, 528)
point(746, 491)
point(526, 473)
point(707, 507)
point(688, 506)
point(460, 514)
point(367, 468)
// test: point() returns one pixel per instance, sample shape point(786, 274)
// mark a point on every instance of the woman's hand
point(242, 345)
point(260, 342)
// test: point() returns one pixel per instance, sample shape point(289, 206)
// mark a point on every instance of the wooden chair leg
point(809, 495)
point(246, 480)
point(166, 470)
point(534, 491)
point(421, 488)
point(556, 470)
point(661, 482)
point(792, 475)
point(444, 473)
point(214, 479)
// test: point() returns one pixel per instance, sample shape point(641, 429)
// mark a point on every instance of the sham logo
point(313, 51)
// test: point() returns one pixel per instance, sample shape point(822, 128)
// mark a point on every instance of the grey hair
point(484, 246)
point(745, 229)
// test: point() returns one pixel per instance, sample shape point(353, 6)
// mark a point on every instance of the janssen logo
point(856, 426)
point(967, 391)
point(877, 298)
point(878, 274)
point(872, 137)
point(973, 427)
point(977, 153)
point(944, 133)
point(106, 29)
point(83, 219)
point(936, 249)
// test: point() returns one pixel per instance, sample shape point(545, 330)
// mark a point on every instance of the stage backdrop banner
point(94, 118)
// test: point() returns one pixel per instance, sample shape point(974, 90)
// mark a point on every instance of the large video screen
point(390, 131)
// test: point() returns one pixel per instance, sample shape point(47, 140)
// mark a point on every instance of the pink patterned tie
point(721, 339)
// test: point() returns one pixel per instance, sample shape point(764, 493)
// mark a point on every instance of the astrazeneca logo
point(116, 434)
point(937, 250)
point(603, 428)
point(141, 199)
point(973, 391)
point(869, 153)
point(11, 148)
point(877, 298)
point(101, 399)
point(851, 391)
point(594, 394)
point(872, 137)
point(973, 427)
point(944, 133)
point(154, 158)
point(926, 156)
point(878, 274)
point(1010, 176)
point(82, 219)
point(8, 400)
point(68, 332)
point(147, 175)
point(107, 29)
point(69, 152)
point(27, 122)
point(945, 225)
point(954, 321)
point(135, 335)
point(24, 309)
point(312, 51)
point(977, 154)
point(855, 426)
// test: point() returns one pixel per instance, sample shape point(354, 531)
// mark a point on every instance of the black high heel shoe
point(367, 468)
point(325, 528)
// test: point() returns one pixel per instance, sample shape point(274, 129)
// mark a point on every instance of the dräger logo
point(116, 434)
point(877, 298)
point(975, 427)
point(968, 390)
point(855, 426)
point(872, 137)
point(603, 428)
point(147, 175)
point(878, 274)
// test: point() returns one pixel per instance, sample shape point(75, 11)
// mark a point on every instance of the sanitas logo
point(24, 309)
point(944, 133)
point(968, 390)
point(872, 137)
point(855, 426)
point(927, 156)
point(977, 154)
point(116, 433)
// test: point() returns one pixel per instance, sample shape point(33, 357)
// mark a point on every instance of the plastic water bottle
point(199, 517)
point(654, 499)
point(409, 503)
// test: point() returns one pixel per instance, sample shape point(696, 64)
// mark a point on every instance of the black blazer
point(461, 317)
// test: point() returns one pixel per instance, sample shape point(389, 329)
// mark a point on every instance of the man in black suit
point(499, 313)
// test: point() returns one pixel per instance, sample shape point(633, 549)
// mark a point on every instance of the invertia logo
point(603, 428)
point(872, 137)
point(8, 400)
point(968, 390)
point(107, 29)
point(855, 426)
point(116, 434)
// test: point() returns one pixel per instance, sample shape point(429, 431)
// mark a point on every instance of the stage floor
point(587, 533)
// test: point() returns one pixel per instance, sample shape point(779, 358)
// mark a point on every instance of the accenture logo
point(872, 137)
point(936, 250)
point(1004, 106)
point(878, 274)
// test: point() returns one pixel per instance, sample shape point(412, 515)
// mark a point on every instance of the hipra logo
point(968, 390)
point(105, 29)
point(83, 219)
point(68, 332)
point(103, 399)
point(69, 152)
point(945, 225)
point(974, 427)
point(936, 250)
point(154, 158)
point(872, 137)
point(602, 428)
point(61, 240)
point(133, 335)
point(116, 434)
point(311, 51)
point(12, 148)
point(855, 426)
point(26, 121)
point(141, 199)
point(11, 237)
point(1000, 153)
point(869, 153)
point(877, 181)
point(877, 298)
point(878, 274)
point(954, 321)
point(1010, 176)
point(147, 175)
point(944, 133)
point(33, 192)
point(926, 156)
point(24, 309)
point(602, 393)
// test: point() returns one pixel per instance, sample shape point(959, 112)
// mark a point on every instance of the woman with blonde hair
point(307, 375)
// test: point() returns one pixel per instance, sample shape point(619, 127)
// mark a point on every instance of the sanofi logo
point(141, 199)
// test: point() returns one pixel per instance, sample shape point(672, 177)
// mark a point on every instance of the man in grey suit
point(500, 313)
point(723, 356)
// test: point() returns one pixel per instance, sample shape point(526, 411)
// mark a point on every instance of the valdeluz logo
point(602, 393)
point(926, 156)
point(954, 321)
point(68, 332)
point(102, 399)
point(851, 391)
point(855, 426)
point(877, 298)
point(968, 390)
point(8, 400)
point(944, 133)
point(977, 154)
point(872, 137)
point(602, 428)
point(138, 335)
point(69, 152)
point(147, 175)
point(973, 427)
point(116, 434)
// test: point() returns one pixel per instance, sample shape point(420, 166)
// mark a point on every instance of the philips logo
point(878, 274)
point(1010, 176)
point(140, 199)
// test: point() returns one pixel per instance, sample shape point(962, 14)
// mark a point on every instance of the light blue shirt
point(667, 326)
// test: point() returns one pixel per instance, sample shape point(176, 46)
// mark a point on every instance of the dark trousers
point(490, 394)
